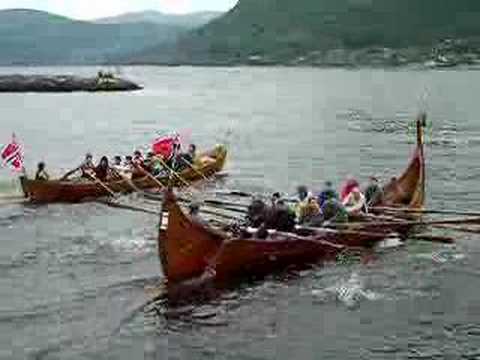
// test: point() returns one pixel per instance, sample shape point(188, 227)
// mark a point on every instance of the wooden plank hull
point(188, 249)
point(74, 191)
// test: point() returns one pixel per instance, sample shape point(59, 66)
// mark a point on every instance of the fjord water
point(72, 276)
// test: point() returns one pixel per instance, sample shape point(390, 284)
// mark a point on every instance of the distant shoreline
point(410, 66)
point(17, 83)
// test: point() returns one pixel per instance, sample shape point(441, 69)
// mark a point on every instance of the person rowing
point(347, 188)
point(152, 164)
point(102, 170)
point(279, 217)
point(138, 159)
point(186, 160)
point(355, 203)
point(41, 174)
point(333, 212)
point(309, 211)
point(373, 192)
point(137, 165)
point(328, 192)
point(86, 168)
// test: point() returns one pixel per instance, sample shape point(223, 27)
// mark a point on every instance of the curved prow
point(186, 246)
point(408, 190)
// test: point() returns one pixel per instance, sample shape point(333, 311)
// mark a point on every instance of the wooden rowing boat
point(188, 247)
point(72, 191)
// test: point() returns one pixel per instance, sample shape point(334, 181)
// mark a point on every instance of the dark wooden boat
point(72, 191)
point(188, 248)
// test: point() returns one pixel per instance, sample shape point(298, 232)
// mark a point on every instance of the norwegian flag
point(12, 155)
point(164, 145)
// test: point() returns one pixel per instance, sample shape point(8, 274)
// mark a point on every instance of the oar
point(433, 238)
point(185, 182)
point(194, 169)
point(128, 207)
point(234, 193)
point(472, 220)
point(224, 203)
point(150, 176)
point(12, 197)
point(102, 184)
point(427, 211)
point(125, 178)
point(458, 228)
point(341, 231)
point(23, 200)
point(157, 213)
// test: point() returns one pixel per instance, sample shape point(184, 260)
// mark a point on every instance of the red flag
point(16, 163)
point(164, 146)
point(10, 150)
point(11, 155)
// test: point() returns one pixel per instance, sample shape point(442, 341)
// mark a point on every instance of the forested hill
point(30, 37)
point(284, 28)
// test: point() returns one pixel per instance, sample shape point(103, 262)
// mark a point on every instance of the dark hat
point(302, 188)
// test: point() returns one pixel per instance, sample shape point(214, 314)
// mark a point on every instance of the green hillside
point(282, 29)
point(188, 21)
point(34, 37)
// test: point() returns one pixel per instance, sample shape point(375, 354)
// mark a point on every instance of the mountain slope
point(33, 37)
point(285, 29)
point(189, 21)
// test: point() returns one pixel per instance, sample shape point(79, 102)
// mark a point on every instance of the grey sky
point(90, 9)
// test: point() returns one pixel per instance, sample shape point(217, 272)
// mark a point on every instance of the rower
point(301, 200)
point(102, 170)
point(41, 174)
point(333, 211)
point(373, 192)
point(275, 199)
point(347, 187)
point(185, 160)
point(153, 164)
point(256, 213)
point(277, 218)
point(86, 168)
point(309, 211)
point(355, 203)
point(137, 165)
point(138, 159)
point(327, 193)
point(128, 162)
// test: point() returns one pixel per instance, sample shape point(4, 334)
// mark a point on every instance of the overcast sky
point(90, 9)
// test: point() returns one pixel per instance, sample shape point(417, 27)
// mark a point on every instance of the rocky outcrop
point(63, 83)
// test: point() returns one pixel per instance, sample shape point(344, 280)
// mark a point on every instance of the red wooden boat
point(72, 191)
point(189, 249)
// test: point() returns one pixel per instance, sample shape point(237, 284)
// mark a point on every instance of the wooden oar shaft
point(343, 232)
point(458, 229)
point(427, 211)
point(150, 176)
point(194, 169)
point(23, 200)
point(433, 238)
point(472, 220)
point(128, 207)
point(185, 182)
point(102, 184)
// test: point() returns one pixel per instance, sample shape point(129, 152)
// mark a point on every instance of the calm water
point(72, 276)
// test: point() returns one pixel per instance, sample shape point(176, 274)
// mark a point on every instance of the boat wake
point(350, 292)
